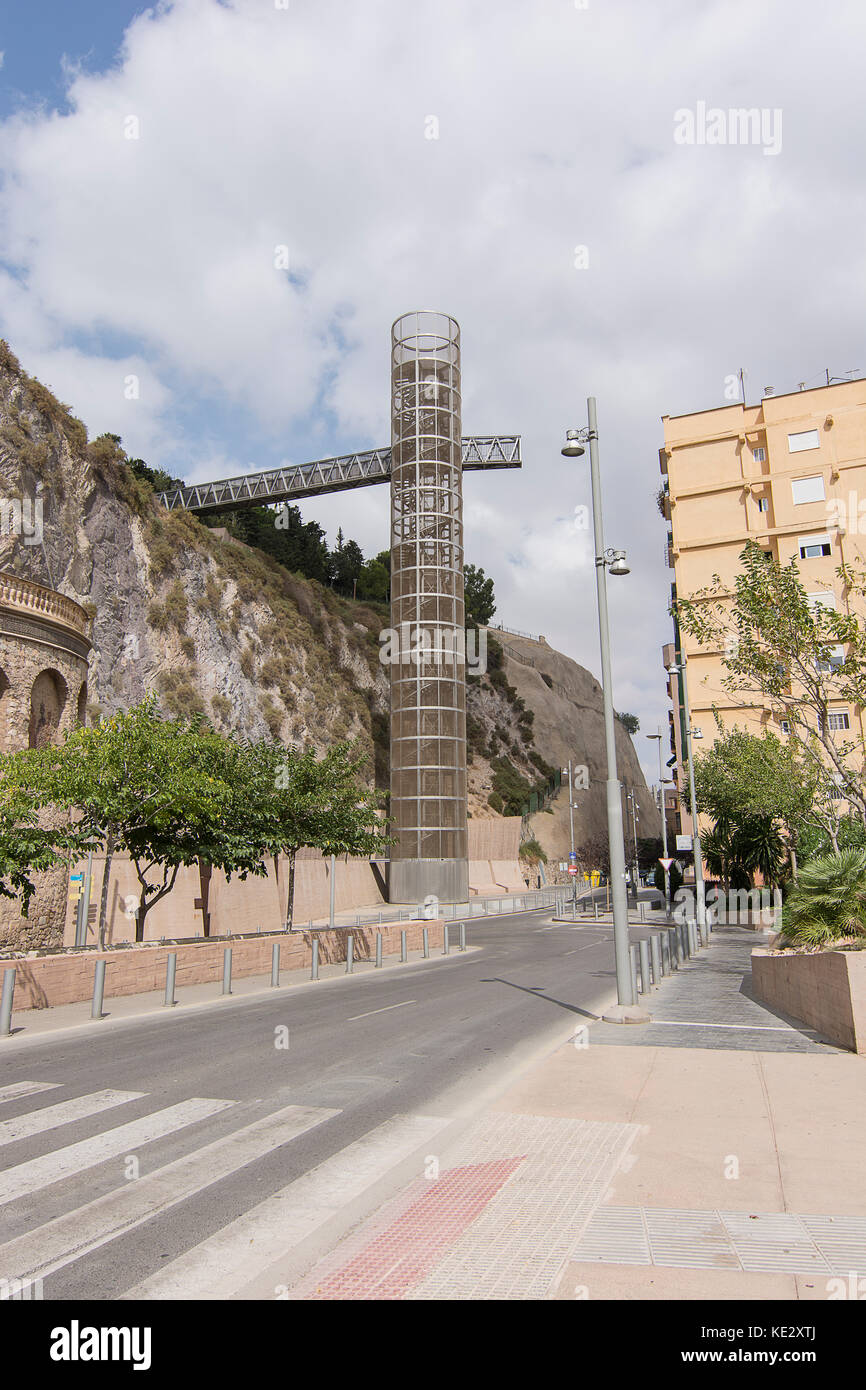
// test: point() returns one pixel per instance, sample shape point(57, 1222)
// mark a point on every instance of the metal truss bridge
point(327, 475)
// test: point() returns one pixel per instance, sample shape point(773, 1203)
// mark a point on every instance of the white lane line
point(52, 1116)
point(63, 1163)
point(232, 1257)
point(355, 1017)
point(739, 1027)
point(48, 1248)
point(19, 1089)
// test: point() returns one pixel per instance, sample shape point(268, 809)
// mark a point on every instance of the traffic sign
point(666, 863)
point(684, 842)
point(572, 868)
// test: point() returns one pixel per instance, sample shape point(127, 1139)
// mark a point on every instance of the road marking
point(355, 1017)
point(231, 1258)
point(19, 1089)
point(63, 1163)
point(52, 1116)
point(739, 1027)
point(60, 1242)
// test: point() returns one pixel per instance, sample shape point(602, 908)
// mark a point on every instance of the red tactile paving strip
point(407, 1250)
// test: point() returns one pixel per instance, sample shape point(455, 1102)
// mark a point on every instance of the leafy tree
point(829, 901)
point(783, 651)
point(745, 779)
point(374, 581)
point(630, 722)
point(478, 594)
point(165, 791)
point(305, 801)
point(346, 564)
point(26, 846)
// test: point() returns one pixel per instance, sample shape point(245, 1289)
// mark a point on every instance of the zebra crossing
point(222, 1263)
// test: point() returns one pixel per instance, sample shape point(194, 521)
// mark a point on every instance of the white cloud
point(305, 127)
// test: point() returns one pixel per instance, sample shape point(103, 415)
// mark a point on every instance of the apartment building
point(788, 473)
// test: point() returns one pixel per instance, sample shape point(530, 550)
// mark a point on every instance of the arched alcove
point(5, 687)
point(47, 702)
point(81, 709)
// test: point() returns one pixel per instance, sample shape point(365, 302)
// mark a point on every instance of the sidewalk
point(714, 1153)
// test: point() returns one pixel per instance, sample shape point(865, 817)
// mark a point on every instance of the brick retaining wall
point(44, 981)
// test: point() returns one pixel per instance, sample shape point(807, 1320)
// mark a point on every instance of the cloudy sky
point(523, 165)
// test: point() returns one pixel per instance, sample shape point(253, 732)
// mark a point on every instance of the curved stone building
point(44, 654)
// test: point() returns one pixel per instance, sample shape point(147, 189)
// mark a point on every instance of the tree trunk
point(290, 901)
point(140, 916)
point(103, 901)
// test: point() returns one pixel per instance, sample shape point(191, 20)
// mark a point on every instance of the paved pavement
point(457, 1129)
point(682, 1159)
point(182, 1152)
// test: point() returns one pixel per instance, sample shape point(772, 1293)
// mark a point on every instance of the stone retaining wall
point(827, 990)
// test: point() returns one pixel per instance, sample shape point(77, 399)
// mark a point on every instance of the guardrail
point(509, 903)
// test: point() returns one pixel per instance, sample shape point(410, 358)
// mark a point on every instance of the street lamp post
point(676, 669)
point(626, 1010)
point(662, 781)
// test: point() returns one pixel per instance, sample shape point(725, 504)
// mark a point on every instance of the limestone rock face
point(199, 619)
point(569, 723)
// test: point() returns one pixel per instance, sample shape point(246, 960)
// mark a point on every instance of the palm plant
point(758, 844)
point(829, 901)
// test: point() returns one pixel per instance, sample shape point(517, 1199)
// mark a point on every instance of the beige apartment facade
point(789, 474)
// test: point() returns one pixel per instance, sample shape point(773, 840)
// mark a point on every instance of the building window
point(808, 489)
point(838, 719)
point(812, 547)
point(805, 439)
point(785, 725)
point(759, 455)
point(834, 660)
point(763, 504)
point(822, 600)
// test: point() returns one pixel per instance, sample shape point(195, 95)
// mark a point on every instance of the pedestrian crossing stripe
point(42, 1251)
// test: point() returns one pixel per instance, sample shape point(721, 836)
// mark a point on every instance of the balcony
point(35, 600)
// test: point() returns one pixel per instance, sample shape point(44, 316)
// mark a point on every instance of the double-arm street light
point(626, 1009)
point(679, 669)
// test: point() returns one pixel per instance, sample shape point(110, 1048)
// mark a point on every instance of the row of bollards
point(664, 952)
point(7, 993)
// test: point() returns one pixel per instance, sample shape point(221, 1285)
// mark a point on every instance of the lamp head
point(572, 448)
point(618, 564)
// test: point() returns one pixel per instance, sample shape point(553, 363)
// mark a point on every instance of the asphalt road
point(431, 1038)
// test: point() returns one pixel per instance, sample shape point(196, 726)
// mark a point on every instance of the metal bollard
point(693, 938)
point(462, 936)
point(446, 945)
point(170, 975)
point(314, 966)
point(404, 956)
point(656, 957)
point(642, 906)
point(643, 950)
point(275, 966)
point(378, 950)
point(425, 941)
point(227, 970)
point(98, 990)
point(632, 958)
point(6, 1002)
point(350, 953)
